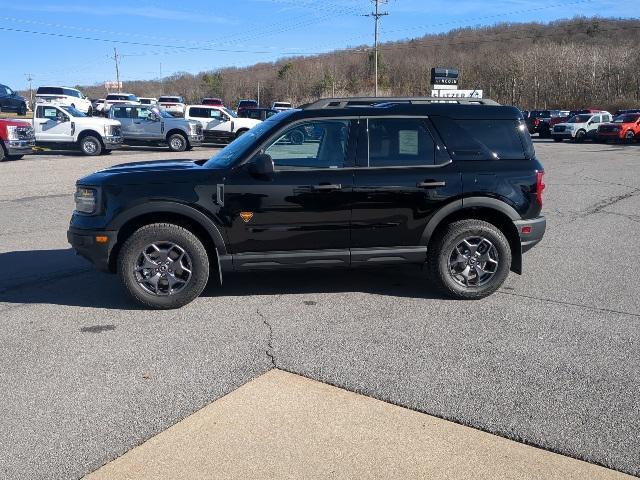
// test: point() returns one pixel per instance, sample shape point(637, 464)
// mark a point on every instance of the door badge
point(246, 216)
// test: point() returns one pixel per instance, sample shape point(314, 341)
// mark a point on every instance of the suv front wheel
point(469, 260)
point(163, 266)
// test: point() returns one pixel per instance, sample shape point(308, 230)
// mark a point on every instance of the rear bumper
point(85, 245)
point(531, 232)
point(19, 147)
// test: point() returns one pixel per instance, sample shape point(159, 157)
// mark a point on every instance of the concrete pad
point(284, 426)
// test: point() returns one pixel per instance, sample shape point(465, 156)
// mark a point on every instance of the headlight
point(86, 199)
point(12, 132)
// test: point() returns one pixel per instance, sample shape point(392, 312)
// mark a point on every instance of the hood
point(14, 123)
point(158, 171)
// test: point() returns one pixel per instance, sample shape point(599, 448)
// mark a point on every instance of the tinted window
point(199, 112)
point(170, 99)
point(400, 142)
point(121, 112)
point(313, 144)
point(49, 91)
point(484, 139)
point(71, 93)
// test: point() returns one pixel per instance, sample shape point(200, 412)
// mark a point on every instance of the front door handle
point(431, 184)
point(327, 186)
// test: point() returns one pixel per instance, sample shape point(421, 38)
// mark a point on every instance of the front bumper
point(19, 147)
point(85, 244)
point(531, 232)
point(196, 140)
point(112, 142)
point(563, 135)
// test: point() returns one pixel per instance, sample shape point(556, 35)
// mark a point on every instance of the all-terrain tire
point(443, 248)
point(163, 234)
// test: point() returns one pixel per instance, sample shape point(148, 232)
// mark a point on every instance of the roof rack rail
point(347, 102)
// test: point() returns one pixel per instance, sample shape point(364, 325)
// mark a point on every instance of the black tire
point(22, 110)
point(580, 136)
point(3, 156)
point(444, 246)
point(629, 136)
point(90, 145)
point(239, 133)
point(14, 157)
point(163, 233)
point(177, 142)
point(556, 139)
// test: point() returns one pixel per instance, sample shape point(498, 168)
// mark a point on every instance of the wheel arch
point(168, 212)
point(88, 132)
point(173, 131)
point(490, 210)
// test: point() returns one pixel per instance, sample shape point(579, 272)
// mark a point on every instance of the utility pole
point(258, 94)
point(116, 58)
point(30, 79)
point(377, 14)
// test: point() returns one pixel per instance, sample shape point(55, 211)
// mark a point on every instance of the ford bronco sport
point(455, 187)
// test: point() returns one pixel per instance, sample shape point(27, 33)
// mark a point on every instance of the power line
point(377, 14)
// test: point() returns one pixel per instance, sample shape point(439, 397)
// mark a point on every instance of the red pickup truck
point(16, 139)
point(625, 127)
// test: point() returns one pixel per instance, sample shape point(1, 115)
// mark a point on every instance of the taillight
point(540, 186)
point(536, 122)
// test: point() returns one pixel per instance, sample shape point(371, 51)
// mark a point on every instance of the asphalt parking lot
point(551, 360)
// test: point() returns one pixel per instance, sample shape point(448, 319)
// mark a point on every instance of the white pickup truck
point(220, 124)
point(64, 127)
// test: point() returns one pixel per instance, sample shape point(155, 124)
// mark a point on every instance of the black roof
point(414, 106)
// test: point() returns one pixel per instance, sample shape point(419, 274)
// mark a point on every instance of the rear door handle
point(327, 186)
point(431, 184)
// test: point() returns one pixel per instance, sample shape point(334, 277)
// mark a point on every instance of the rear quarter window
point(485, 139)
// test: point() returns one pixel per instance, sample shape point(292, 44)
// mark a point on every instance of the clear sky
point(74, 40)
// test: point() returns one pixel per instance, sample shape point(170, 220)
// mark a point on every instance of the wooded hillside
point(566, 64)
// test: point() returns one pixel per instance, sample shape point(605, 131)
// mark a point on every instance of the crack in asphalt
point(609, 201)
point(269, 349)
point(571, 304)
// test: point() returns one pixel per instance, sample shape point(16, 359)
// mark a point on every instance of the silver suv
point(147, 124)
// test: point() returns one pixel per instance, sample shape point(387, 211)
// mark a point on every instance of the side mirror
point(261, 165)
point(153, 117)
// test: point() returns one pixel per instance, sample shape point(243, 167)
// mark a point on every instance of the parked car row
point(587, 124)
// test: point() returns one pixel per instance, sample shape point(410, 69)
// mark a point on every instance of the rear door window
point(495, 139)
point(400, 142)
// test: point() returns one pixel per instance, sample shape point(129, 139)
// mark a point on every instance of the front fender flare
point(175, 208)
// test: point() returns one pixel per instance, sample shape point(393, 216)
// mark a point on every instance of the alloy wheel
point(473, 262)
point(163, 268)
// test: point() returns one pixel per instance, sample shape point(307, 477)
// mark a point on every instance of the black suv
point(455, 187)
point(10, 101)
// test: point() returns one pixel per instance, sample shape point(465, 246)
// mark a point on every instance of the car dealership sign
point(456, 93)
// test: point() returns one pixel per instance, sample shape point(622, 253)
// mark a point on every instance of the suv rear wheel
point(469, 260)
point(163, 266)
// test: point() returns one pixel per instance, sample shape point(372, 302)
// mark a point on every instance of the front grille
point(559, 128)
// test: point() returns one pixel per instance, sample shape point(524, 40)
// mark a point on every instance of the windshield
point(231, 113)
point(229, 154)
point(164, 114)
point(579, 119)
point(627, 118)
point(169, 99)
point(73, 111)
